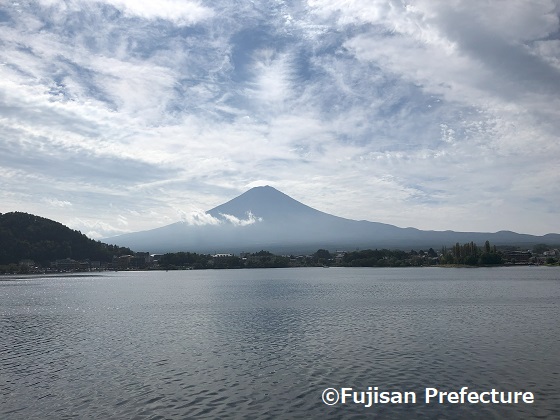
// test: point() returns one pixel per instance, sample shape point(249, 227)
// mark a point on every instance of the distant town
point(468, 254)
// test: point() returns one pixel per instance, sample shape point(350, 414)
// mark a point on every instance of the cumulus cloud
point(251, 219)
point(199, 218)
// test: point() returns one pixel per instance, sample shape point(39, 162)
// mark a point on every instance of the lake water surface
point(266, 343)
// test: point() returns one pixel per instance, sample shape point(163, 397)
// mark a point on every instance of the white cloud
point(180, 12)
point(250, 220)
point(428, 108)
point(259, 183)
point(95, 229)
point(272, 76)
point(199, 218)
point(57, 203)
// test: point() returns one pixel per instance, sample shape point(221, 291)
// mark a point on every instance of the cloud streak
point(201, 218)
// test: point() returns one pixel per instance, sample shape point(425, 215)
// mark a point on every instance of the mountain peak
point(262, 189)
point(265, 192)
point(263, 201)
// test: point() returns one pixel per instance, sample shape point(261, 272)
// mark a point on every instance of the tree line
point(192, 260)
point(466, 254)
point(471, 254)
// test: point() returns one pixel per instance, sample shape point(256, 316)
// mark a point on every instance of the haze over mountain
point(265, 218)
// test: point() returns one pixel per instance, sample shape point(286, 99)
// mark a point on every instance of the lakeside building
point(69, 264)
point(518, 257)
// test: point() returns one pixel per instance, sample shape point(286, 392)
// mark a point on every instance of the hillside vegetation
point(26, 236)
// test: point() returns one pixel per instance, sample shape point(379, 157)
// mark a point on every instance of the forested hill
point(26, 236)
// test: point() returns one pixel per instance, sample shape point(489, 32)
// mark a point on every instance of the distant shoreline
point(81, 274)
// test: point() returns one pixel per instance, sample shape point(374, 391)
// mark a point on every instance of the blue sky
point(121, 115)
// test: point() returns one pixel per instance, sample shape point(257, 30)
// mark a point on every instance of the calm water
point(266, 343)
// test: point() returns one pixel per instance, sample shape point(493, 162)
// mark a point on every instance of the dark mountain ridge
point(26, 236)
point(265, 218)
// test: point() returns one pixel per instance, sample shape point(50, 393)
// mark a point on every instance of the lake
point(267, 343)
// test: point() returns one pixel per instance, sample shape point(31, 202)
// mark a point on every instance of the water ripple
point(265, 343)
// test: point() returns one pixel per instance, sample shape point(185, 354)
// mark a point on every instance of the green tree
point(322, 256)
point(540, 248)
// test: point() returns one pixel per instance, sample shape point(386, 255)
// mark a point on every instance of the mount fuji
point(265, 218)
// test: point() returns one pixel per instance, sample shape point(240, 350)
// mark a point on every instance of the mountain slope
point(26, 236)
point(265, 218)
